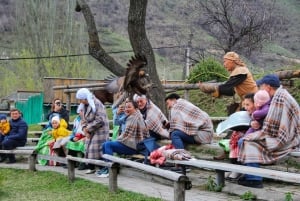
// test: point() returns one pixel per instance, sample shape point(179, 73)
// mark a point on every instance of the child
point(60, 134)
point(4, 127)
point(262, 104)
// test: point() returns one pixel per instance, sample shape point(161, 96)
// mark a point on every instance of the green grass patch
point(45, 185)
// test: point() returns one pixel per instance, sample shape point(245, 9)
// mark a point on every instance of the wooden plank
point(53, 158)
point(150, 169)
point(266, 173)
point(15, 151)
point(295, 153)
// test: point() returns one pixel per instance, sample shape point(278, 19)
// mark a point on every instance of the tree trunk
point(141, 45)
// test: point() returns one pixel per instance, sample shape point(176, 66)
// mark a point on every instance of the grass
point(45, 185)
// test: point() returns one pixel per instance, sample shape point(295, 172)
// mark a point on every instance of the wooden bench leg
point(71, 170)
point(32, 161)
point(220, 180)
point(113, 177)
point(179, 191)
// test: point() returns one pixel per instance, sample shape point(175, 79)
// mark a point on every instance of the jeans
point(112, 147)
point(253, 177)
point(179, 138)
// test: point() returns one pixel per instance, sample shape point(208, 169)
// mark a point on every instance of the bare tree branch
point(95, 49)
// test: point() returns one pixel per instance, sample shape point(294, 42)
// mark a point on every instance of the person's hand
point(207, 87)
point(120, 109)
point(75, 139)
point(255, 125)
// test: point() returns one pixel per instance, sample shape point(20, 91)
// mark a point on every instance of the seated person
point(57, 109)
point(134, 133)
point(76, 144)
point(17, 136)
point(153, 116)
point(57, 132)
point(60, 135)
point(119, 119)
point(188, 124)
point(279, 135)
point(4, 127)
point(262, 103)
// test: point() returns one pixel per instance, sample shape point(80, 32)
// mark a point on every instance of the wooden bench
point(35, 133)
point(221, 168)
point(27, 150)
point(180, 182)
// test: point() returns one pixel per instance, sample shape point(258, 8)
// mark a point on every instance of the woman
point(58, 109)
point(240, 82)
point(94, 125)
point(134, 133)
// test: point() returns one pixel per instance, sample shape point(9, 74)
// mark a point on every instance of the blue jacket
point(18, 130)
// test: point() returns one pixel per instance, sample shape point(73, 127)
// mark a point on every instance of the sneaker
point(100, 171)
point(89, 171)
point(234, 176)
point(104, 173)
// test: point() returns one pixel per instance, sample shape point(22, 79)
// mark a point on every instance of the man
point(17, 136)
point(279, 135)
point(188, 123)
point(153, 116)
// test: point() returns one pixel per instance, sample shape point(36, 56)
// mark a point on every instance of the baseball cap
point(271, 79)
point(2, 116)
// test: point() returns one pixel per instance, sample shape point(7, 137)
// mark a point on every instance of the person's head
point(55, 121)
point(261, 97)
point(56, 105)
point(141, 101)
point(85, 97)
point(15, 114)
point(171, 100)
point(270, 83)
point(3, 118)
point(231, 60)
point(130, 107)
point(248, 103)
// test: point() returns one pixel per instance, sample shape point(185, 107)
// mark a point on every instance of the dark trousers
point(9, 144)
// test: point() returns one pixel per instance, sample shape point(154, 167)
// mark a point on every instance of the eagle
point(135, 80)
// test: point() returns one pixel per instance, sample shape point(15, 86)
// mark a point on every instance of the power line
point(78, 55)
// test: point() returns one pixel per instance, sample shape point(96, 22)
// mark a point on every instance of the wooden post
point(220, 180)
point(68, 106)
point(179, 190)
point(113, 177)
point(32, 161)
point(71, 170)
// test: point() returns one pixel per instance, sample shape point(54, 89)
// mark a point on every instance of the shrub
point(207, 70)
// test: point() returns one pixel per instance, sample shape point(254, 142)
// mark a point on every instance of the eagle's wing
point(133, 74)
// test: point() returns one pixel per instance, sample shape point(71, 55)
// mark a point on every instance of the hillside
point(56, 29)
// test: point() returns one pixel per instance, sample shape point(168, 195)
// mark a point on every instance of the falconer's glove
point(210, 88)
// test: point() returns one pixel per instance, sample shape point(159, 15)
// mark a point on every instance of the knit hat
point(271, 79)
point(2, 116)
point(234, 57)
point(85, 94)
point(261, 97)
point(137, 97)
point(55, 118)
